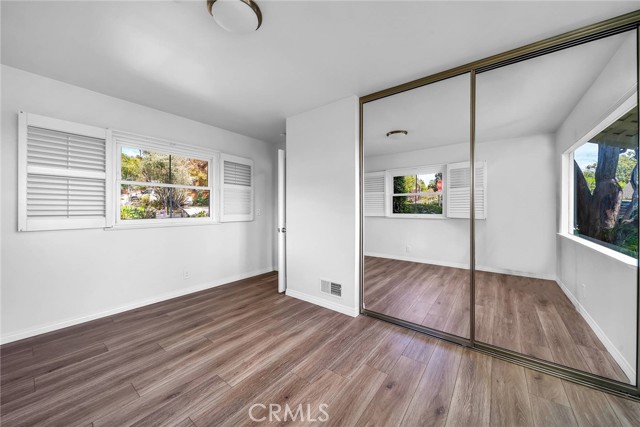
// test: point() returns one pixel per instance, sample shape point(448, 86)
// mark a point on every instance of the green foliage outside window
point(421, 203)
point(152, 201)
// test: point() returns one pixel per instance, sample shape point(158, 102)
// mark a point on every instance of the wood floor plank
point(471, 402)
point(32, 368)
point(262, 354)
point(421, 347)
point(320, 360)
point(591, 407)
point(260, 408)
point(185, 423)
point(551, 414)
point(506, 327)
point(628, 411)
point(16, 390)
point(83, 383)
point(384, 357)
point(601, 363)
point(362, 347)
point(546, 387)
point(393, 397)
point(431, 401)
point(351, 402)
point(534, 340)
point(76, 412)
point(510, 404)
point(169, 405)
point(560, 342)
point(485, 317)
point(268, 380)
point(313, 402)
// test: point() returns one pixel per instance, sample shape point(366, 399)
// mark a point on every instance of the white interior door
point(282, 267)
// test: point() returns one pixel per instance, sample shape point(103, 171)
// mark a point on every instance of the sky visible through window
point(586, 155)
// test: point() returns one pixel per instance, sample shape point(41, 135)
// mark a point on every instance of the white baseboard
point(626, 367)
point(464, 266)
point(340, 308)
point(163, 297)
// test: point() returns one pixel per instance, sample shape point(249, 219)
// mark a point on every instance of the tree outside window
point(606, 186)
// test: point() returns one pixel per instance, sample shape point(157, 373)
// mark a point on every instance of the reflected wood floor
point(204, 359)
point(530, 316)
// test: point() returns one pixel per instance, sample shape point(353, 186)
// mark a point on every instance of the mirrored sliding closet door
point(416, 206)
point(556, 241)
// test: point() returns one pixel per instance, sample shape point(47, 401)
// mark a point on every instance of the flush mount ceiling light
point(397, 134)
point(236, 16)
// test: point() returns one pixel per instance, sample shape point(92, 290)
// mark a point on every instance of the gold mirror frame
point(620, 24)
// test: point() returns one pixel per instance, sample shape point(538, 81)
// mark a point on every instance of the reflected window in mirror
point(605, 185)
point(416, 192)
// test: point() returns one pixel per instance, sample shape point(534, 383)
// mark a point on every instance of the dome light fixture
point(397, 135)
point(236, 16)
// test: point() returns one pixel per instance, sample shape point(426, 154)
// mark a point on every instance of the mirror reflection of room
point(560, 135)
point(416, 225)
point(556, 207)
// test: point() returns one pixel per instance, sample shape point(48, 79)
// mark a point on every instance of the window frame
point(157, 145)
point(567, 225)
point(390, 174)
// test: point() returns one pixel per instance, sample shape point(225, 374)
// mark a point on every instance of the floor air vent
point(331, 288)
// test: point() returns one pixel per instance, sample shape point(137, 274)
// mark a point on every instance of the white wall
point(603, 287)
point(322, 204)
point(53, 279)
point(505, 241)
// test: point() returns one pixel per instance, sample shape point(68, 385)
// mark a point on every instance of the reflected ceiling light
point(397, 134)
point(236, 16)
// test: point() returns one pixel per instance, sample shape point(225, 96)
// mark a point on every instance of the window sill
point(134, 226)
point(414, 216)
point(625, 259)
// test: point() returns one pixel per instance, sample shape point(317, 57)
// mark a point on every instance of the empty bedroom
point(327, 213)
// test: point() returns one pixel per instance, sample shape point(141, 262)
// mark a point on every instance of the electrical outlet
point(407, 248)
point(186, 274)
point(258, 211)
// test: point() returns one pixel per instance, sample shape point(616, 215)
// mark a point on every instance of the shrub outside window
point(156, 185)
point(416, 192)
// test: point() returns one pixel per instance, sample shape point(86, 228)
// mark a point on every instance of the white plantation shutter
point(63, 174)
point(374, 194)
point(458, 182)
point(236, 203)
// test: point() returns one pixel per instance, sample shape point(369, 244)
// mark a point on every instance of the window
point(237, 189)
point(75, 176)
point(605, 185)
point(415, 192)
point(437, 191)
point(160, 181)
point(62, 174)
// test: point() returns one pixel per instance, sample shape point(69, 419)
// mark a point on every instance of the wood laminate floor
point(206, 358)
point(530, 316)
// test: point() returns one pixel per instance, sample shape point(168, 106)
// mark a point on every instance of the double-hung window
point(160, 181)
point(415, 192)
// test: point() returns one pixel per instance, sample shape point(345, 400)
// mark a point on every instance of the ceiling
point(170, 55)
point(527, 98)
